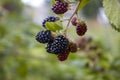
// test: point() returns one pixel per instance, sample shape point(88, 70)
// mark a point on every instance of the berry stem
point(64, 20)
point(75, 12)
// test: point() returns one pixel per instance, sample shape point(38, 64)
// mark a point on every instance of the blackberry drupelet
point(60, 7)
point(48, 48)
point(81, 28)
point(63, 56)
point(44, 36)
point(49, 19)
point(58, 45)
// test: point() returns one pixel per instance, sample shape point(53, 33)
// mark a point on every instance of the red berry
point(81, 28)
point(60, 7)
point(73, 21)
point(63, 56)
point(81, 43)
point(73, 47)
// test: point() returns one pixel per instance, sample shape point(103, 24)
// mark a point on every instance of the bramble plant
point(55, 35)
point(63, 49)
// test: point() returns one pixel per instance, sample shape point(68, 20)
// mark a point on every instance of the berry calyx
point(44, 36)
point(60, 7)
point(81, 29)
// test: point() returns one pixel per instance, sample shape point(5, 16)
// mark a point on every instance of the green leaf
point(54, 26)
point(112, 11)
point(53, 1)
point(82, 4)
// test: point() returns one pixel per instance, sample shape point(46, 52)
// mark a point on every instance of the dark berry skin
point(81, 43)
point(48, 48)
point(44, 36)
point(81, 29)
point(59, 44)
point(60, 7)
point(64, 55)
point(48, 19)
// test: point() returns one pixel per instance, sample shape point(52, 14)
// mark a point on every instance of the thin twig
point(75, 12)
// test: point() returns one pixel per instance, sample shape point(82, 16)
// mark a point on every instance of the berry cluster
point(93, 53)
point(55, 44)
point(87, 45)
point(59, 44)
point(81, 27)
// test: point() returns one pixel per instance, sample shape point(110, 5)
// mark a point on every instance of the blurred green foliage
point(22, 58)
point(91, 9)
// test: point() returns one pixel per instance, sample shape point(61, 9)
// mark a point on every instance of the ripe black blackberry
point(60, 7)
point(63, 56)
point(49, 19)
point(44, 36)
point(81, 28)
point(48, 48)
point(58, 45)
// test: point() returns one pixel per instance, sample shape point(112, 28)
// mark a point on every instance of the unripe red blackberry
point(73, 21)
point(81, 43)
point(59, 45)
point(73, 47)
point(60, 7)
point(63, 56)
point(49, 19)
point(81, 28)
point(44, 36)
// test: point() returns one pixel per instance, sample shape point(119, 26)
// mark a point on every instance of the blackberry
point(48, 48)
point(81, 43)
point(49, 19)
point(60, 7)
point(63, 56)
point(58, 45)
point(73, 21)
point(81, 28)
point(44, 36)
point(73, 47)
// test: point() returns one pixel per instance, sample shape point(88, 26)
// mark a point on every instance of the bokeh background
point(23, 58)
